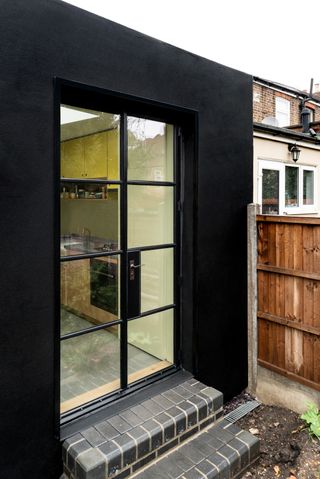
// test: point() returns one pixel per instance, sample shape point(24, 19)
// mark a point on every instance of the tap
point(86, 235)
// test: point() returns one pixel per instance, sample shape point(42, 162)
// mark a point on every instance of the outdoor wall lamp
point(295, 151)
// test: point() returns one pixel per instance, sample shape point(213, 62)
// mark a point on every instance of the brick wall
point(264, 104)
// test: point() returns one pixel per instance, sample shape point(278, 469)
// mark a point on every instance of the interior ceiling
point(102, 121)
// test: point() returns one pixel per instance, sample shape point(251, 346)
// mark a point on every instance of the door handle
point(132, 265)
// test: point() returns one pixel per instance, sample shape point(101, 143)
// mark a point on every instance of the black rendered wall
point(43, 39)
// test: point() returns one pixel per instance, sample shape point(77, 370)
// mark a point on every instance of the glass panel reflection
point(156, 278)
point(270, 192)
point(150, 215)
point(90, 367)
point(89, 219)
point(292, 186)
point(89, 144)
point(150, 150)
point(90, 292)
point(308, 187)
point(150, 345)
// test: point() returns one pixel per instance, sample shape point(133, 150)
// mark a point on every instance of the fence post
point(252, 211)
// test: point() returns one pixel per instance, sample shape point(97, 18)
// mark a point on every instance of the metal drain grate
point(241, 411)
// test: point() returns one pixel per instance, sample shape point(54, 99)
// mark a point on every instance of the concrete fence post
point(252, 211)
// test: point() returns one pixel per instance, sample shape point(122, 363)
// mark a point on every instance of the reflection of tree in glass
point(146, 148)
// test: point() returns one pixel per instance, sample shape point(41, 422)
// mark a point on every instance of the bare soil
point(287, 449)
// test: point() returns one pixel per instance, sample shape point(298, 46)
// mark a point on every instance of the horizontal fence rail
point(288, 271)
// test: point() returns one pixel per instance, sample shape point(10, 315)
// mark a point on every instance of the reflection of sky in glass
point(143, 128)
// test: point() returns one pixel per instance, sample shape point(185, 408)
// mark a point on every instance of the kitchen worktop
point(73, 244)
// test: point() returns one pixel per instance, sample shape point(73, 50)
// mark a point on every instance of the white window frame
point(279, 166)
point(282, 111)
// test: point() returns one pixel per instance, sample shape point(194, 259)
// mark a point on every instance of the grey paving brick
point(191, 452)
point(74, 451)
point(182, 392)
point(182, 461)
point(168, 426)
point(207, 446)
point(201, 406)
point(202, 447)
point(213, 441)
point(179, 419)
point(215, 395)
point(128, 449)
point(152, 473)
point(143, 441)
point(208, 400)
point(142, 412)
point(93, 436)
point(119, 424)
point(193, 474)
point(208, 469)
point(170, 467)
point(166, 447)
point(152, 406)
point(233, 459)
point(155, 431)
point(242, 449)
point(108, 431)
point(221, 434)
point(91, 464)
point(189, 433)
point(221, 463)
point(191, 411)
point(131, 418)
point(207, 423)
point(233, 428)
point(124, 474)
point(143, 462)
point(67, 443)
point(252, 442)
point(162, 401)
point(219, 414)
point(112, 453)
point(172, 396)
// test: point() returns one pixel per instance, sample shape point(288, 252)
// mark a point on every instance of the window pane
point(89, 292)
point(150, 344)
point(90, 367)
point(89, 144)
point(89, 220)
point(308, 187)
point(292, 187)
point(150, 150)
point(156, 278)
point(150, 215)
point(270, 192)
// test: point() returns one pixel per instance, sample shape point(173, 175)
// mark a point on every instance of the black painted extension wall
point(44, 39)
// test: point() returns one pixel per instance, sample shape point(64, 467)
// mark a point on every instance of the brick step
point(122, 444)
point(222, 451)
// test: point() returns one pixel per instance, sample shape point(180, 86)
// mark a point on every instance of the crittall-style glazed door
point(118, 215)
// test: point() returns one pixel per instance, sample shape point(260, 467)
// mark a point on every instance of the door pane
point(308, 187)
point(89, 144)
point(90, 367)
point(150, 150)
point(90, 292)
point(150, 215)
point(89, 219)
point(292, 187)
point(156, 278)
point(270, 192)
point(150, 344)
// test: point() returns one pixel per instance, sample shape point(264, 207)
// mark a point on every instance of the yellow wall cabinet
point(92, 156)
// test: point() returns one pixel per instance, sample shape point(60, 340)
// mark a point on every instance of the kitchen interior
point(90, 286)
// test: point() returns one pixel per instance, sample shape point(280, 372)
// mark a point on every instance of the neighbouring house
point(286, 149)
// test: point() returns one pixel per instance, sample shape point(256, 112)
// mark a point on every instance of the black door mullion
point(124, 256)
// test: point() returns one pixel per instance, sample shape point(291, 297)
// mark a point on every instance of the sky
point(273, 39)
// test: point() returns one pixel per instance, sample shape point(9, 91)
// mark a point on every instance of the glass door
point(118, 252)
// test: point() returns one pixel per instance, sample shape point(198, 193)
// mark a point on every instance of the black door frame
point(82, 96)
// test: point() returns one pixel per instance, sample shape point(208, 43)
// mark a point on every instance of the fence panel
point(288, 271)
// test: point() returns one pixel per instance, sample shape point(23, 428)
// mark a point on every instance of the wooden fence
point(288, 268)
